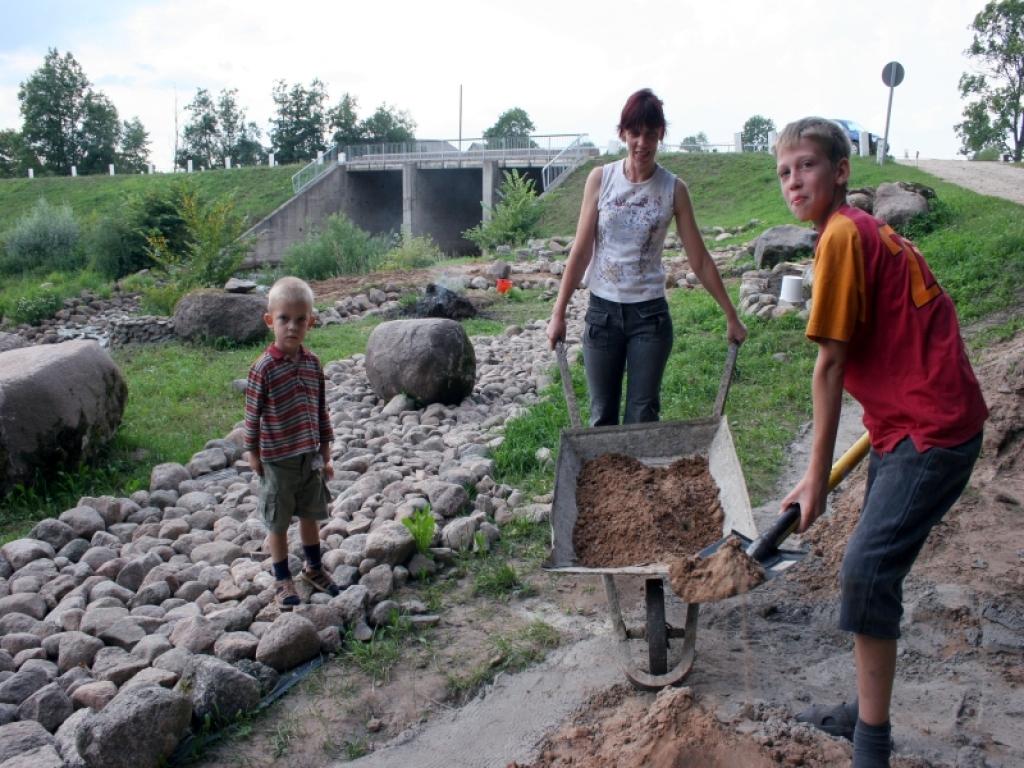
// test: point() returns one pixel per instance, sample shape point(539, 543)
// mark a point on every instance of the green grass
point(257, 191)
point(18, 292)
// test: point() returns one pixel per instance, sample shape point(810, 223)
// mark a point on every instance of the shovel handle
point(788, 521)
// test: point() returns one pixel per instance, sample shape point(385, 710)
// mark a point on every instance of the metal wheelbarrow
point(654, 444)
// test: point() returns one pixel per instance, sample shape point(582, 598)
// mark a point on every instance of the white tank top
point(632, 221)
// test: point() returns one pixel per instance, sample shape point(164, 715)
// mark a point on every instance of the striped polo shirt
point(286, 405)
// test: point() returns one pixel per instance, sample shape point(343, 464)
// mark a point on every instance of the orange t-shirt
point(906, 362)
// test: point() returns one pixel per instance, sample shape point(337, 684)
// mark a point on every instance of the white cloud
point(569, 64)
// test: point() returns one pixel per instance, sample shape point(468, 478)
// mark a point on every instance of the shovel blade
point(774, 563)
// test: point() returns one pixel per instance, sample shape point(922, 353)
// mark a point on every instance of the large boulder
point(59, 404)
point(430, 360)
point(217, 690)
point(210, 315)
point(898, 204)
point(139, 728)
point(783, 243)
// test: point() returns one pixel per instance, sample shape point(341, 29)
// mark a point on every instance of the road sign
point(892, 74)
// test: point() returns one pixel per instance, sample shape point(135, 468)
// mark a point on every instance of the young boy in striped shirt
point(288, 437)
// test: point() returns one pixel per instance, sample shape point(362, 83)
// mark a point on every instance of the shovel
point(765, 549)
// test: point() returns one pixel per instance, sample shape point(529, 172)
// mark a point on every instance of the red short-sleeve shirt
point(906, 363)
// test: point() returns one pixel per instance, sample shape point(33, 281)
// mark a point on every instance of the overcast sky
point(569, 64)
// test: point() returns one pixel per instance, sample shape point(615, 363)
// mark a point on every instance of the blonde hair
point(826, 134)
point(290, 289)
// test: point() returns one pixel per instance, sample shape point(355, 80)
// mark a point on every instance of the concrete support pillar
point(491, 185)
point(410, 177)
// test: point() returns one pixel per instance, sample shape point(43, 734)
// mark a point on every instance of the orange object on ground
point(503, 284)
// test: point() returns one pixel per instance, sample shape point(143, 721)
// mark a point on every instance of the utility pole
point(460, 117)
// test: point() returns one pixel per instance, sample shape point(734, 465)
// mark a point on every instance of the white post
point(738, 139)
point(773, 138)
point(319, 157)
point(341, 158)
point(74, 170)
point(227, 163)
point(31, 173)
point(270, 160)
point(190, 165)
point(110, 168)
point(865, 144)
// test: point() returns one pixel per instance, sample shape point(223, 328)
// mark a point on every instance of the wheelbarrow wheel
point(657, 629)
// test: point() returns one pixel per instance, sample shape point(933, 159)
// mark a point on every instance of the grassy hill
point(257, 191)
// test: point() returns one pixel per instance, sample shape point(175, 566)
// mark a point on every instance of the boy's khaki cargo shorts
point(293, 487)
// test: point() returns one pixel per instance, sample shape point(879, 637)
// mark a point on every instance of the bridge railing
point(314, 170)
point(562, 164)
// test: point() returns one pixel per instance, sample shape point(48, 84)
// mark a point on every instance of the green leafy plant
point(339, 248)
point(513, 219)
point(421, 525)
point(35, 308)
point(412, 253)
point(46, 238)
point(214, 249)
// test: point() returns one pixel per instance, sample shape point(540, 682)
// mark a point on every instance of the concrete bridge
point(423, 188)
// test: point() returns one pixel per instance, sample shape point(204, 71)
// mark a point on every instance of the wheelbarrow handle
point(727, 374)
point(570, 393)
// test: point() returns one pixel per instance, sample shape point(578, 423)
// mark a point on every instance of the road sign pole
point(892, 75)
point(885, 141)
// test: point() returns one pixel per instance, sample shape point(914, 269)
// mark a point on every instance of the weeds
point(421, 525)
point(377, 657)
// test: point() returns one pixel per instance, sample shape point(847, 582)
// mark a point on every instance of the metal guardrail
point(562, 164)
point(537, 149)
point(314, 170)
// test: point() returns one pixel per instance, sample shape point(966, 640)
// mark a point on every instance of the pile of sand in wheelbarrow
point(632, 514)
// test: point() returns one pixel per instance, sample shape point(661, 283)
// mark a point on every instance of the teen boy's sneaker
point(285, 596)
point(320, 581)
point(838, 720)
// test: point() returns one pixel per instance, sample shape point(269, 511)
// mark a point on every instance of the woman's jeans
point(634, 339)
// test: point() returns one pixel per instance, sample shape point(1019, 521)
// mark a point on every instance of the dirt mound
point(728, 572)
point(631, 514)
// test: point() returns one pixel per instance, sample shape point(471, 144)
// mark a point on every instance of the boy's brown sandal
point(285, 596)
point(320, 581)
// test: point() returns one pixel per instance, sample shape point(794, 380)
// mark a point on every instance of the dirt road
point(985, 178)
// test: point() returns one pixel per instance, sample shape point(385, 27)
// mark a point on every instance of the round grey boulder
point(211, 315)
point(898, 204)
point(138, 729)
point(783, 243)
point(430, 360)
point(59, 404)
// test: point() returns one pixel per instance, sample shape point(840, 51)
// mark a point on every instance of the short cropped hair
point(642, 110)
point(292, 290)
point(828, 135)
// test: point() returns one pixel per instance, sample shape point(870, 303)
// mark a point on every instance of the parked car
point(854, 130)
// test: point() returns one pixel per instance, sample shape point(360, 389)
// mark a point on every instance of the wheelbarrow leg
point(618, 625)
point(648, 681)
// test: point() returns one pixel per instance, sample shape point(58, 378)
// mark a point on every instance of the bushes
point(340, 248)
point(513, 219)
point(412, 253)
point(47, 238)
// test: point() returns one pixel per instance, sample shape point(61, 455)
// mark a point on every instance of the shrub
point(110, 245)
point(212, 251)
point(412, 253)
point(35, 307)
point(340, 248)
point(513, 219)
point(46, 238)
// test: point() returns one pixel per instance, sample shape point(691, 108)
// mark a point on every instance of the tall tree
point(134, 154)
point(15, 156)
point(512, 122)
point(696, 143)
point(238, 138)
point(344, 121)
point(200, 136)
point(100, 136)
point(755, 133)
point(997, 112)
point(389, 125)
point(53, 108)
point(297, 131)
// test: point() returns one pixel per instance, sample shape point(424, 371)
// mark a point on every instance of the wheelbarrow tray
point(656, 444)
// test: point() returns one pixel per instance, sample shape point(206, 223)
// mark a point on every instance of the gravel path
point(986, 178)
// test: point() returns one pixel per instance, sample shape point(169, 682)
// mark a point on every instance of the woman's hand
point(556, 330)
point(736, 330)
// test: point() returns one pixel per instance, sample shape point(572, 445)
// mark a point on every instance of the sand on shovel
point(728, 572)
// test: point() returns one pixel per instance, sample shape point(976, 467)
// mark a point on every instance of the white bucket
point(792, 289)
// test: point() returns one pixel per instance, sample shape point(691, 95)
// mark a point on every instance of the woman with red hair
point(627, 208)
